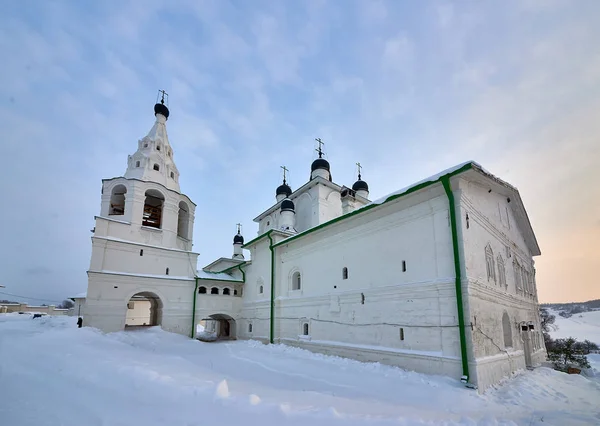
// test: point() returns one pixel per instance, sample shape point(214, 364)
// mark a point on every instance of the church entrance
point(143, 310)
point(217, 327)
point(527, 344)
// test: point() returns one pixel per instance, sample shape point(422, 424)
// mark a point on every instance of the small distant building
point(7, 308)
point(79, 301)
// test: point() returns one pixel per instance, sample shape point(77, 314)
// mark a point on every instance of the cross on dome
point(320, 149)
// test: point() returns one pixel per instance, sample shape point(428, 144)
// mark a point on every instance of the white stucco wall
point(492, 223)
point(420, 300)
point(138, 312)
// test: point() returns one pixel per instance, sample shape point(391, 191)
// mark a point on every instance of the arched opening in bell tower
point(153, 208)
point(144, 309)
point(117, 200)
point(183, 220)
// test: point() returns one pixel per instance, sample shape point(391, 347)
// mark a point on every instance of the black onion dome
point(238, 239)
point(287, 204)
point(319, 163)
point(161, 109)
point(284, 189)
point(360, 185)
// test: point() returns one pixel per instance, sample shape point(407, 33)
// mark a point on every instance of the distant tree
point(586, 346)
point(547, 319)
point(66, 304)
point(565, 353)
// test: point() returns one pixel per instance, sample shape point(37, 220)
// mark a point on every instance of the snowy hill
point(582, 326)
point(56, 374)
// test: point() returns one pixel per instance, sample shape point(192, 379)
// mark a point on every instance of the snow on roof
point(383, 199)
point(215, 276)
point(429, 179)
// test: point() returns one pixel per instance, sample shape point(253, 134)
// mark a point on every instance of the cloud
point(407, 91)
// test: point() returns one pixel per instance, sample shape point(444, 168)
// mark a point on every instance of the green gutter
point(242, 271)
point(457, 281)
point(222, 281)
point(272, 325)
point(224, 271)
point(194, 311)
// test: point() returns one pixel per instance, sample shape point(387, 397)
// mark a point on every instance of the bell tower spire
point(153, 161)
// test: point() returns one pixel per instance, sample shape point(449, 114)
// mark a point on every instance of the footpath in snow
point(52, 373)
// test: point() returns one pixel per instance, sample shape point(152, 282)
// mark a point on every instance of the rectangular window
point(404, 266)
point(401, 333)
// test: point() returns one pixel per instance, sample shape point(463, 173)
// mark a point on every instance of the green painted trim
point(194, 311)
point(228, 269)
point(372, 206)
point(260, 237)
point(242, 271)
point(272, 319)
point(457, 281)
point(222, 281)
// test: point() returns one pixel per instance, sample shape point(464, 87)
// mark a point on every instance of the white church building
point(437, 277)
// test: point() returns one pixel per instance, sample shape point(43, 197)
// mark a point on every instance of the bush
point(566, 353)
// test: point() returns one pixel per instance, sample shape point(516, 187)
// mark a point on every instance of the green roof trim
point(260, 237)
point(231, 268)
point(409, 190)
point(223, 281)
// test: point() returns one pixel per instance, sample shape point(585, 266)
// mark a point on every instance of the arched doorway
point(144, 309)
point(217, 327)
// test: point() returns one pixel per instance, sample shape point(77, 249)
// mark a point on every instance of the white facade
point(331, 271)
point(142, 242)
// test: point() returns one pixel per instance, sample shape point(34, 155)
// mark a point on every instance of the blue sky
point(406, 88)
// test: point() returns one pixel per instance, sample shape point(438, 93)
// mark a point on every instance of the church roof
point(469, 166)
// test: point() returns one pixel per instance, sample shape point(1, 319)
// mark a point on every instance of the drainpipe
point(272, 320)
point(242, 271)
point(194, 310)
point(459, 301)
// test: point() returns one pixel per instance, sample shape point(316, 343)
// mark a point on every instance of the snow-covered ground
point(52, 373)
point(580, 326)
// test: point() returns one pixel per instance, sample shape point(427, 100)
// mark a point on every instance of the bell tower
point(143, 234)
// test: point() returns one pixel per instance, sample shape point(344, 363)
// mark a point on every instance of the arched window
point(214, 290)
point(158, 147)
point(172, 175)
point(167, 271)
point(226, 291)
point(202, 290)
point(296, 281)
point(507, 331)
point(146, 145)
point(305, 329)
point(156, 167)
point(489, 263)
point(235, 293)
point(345, 273)
point(259, 285)
point(501, 271)
point(183, 220)
point(153, 207)
point(117, 201)
point(250, 328)
point(137, 164)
